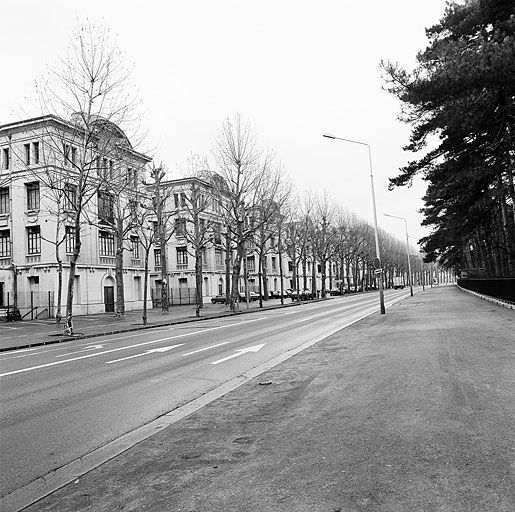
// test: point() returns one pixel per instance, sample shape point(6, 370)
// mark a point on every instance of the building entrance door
point(109, 299)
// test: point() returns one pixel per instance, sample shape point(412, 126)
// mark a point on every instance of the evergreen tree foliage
point(460, 101)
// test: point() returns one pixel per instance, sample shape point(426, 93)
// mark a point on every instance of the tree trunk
point(165, 285)
point(145, 285)
point(58, 313)
point(323, 265)
point(68, 325)
point(281, 268)
point(260, 276)
point(264, 276)
point(227, 270)
point(236, 277)
point(304, 273)
point(314, 278)
point(120, 290)
point(198, 281)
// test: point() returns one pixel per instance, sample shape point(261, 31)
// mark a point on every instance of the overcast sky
point(295, 69)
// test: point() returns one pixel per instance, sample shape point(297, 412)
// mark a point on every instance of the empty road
point(60, 402)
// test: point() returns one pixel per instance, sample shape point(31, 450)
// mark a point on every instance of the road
point(60, 402)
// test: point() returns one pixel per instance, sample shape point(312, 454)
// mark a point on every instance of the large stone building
point(40, 162)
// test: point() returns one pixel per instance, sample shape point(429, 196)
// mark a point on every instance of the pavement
point(32, 333)
point(410, 411)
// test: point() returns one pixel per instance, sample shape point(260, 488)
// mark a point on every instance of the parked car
point(277, 294)
point(218, 298)
point(303, 295)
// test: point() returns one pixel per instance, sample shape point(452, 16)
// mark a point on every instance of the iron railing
point(500, 288)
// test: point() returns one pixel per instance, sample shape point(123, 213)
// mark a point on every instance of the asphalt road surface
point(59, 402)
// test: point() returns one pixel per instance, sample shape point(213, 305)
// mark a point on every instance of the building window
point(111, 169)
point(105, 206)
point(251, 264)
point(70, 239)
point(106, 242)
point(4, 200)
point(272, 242)
point(219, 257)
point(157, 257)
point(27, 153)
point(180, 227)
point(182, 256)
point(183, 199)
point(135, 247)
point(5, 243)
point(34, 240)
point(66, 151)
point(217, 233)
point(6, 158)
point(33, 196)
point(132, 177)
point(274, 263)
point(176, 200)
point(35, 152)
point(70, 197)
point(290, 266)
point(74, 155)
point(319, 269)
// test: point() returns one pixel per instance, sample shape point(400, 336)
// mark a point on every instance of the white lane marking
point(151, 351)
point(240, 352)
point(206, 348)
point(86, 349)
point(22, 370)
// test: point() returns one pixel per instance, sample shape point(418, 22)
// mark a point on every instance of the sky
point(295, 69)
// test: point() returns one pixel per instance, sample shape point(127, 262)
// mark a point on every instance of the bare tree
point(323, 234)
point(145, 236)
point(195, 199)
point(89, 93)
point(164, 225)
point(275, 192)
point(243, 173)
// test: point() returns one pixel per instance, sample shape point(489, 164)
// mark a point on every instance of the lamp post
point(378, 261)
point(407, 250)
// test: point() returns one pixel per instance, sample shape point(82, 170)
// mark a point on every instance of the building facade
point(40, 171)
point(43, 165)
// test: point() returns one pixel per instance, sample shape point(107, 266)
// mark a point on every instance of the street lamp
point(378, 260)
point(407, 250)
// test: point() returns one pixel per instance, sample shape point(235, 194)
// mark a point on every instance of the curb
point(34, 491)
point(122, 330)
point(489, 298)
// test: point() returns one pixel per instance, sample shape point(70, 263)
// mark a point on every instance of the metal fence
point(500, 288)
point(31, 305)
point(176, 296)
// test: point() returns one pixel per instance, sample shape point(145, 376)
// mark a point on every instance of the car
point(277, 294)
point(218, 298)
point(303, 295)
point(252, 296)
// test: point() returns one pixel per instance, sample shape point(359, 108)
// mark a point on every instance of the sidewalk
point(31, 333)
point(411, 411)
